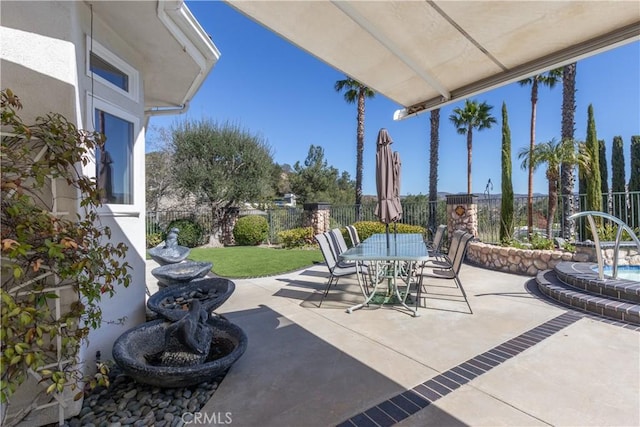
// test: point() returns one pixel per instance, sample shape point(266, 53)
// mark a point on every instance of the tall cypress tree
point(506, 208)
point(604, 176)
point(617, 178)
point(634, 181)
point(594, 194)
point(433, 168)
point(604, 172)
point(617, 165)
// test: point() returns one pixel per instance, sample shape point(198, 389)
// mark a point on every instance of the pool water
point(628, 272)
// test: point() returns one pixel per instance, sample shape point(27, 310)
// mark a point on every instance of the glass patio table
point(393, 260)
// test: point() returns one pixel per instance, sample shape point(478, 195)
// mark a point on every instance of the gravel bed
point(127, 403)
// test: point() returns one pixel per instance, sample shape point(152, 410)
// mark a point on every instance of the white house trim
point(110, 209)
point(104, 53)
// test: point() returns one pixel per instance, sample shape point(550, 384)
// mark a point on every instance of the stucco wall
point(43, 60)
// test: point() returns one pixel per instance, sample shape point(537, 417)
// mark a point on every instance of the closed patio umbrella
point(388, 209)
point(397, 164)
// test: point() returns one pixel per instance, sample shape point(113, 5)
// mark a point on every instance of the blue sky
point(274, 89)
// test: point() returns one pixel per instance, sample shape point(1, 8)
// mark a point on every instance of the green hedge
point(251, 230)
point(367, 228)
point(296, 237)
point(153, 239)
point(190, 232)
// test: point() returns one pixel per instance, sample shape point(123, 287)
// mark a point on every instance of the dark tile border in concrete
point(409, 402)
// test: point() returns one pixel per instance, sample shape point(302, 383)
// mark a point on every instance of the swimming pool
point(628, 272)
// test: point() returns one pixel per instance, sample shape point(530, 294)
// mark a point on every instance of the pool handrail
point(622, 226)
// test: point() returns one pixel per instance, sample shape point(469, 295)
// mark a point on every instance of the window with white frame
point(114, 161)
point(107, 68)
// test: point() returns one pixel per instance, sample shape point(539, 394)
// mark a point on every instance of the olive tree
point(221, 164)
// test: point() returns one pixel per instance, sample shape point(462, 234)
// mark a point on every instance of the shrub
point(367, 228)
point(190, 234)
point(154, 239)
point(42, 252)
point(608, 232)
point(296, 237)
point(251, 230)
point(539, 242)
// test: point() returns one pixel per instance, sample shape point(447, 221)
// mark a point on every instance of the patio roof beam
point(391, 47)
point(618, 37)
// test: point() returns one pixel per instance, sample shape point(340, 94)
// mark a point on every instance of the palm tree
point(472, 116)
point(554, 154)
point(548, 79)
point(356, 91)
point(567, 133)
point(433, 166)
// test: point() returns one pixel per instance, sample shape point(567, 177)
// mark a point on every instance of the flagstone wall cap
point(454, 199)
point(316, 206)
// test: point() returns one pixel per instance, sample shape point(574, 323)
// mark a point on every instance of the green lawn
point(255, 261)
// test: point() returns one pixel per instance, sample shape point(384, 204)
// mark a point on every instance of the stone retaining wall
point(519, 261)
point(627, 252)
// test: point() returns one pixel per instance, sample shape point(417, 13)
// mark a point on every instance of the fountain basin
point(172, 301)
point(165, 255)
point(132, 349)
point(172, 274)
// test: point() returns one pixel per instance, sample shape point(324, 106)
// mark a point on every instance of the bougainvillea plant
point(43, 251)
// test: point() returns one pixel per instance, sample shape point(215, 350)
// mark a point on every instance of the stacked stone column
point(462, 213)
point(317, 216)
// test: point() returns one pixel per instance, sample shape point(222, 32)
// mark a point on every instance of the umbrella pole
point(387, 233)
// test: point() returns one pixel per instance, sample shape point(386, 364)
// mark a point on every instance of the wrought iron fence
point(158, 221)
point(625, 206)
point(412, 213)
point(279, 219)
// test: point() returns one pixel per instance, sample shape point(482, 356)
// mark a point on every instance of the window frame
point(137, 149)
point(93, 46)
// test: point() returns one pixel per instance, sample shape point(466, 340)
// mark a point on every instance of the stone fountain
point(169, 252)
point(190, 345)
point(186, 271)
point(173, 268)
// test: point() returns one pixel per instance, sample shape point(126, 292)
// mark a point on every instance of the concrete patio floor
point(517, 360)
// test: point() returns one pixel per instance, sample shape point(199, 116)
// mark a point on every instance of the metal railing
point(622, 226)
point(279, 219)
point(625, 206)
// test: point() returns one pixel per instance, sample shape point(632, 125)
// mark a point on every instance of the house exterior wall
point(43, 60)
point(44, 50)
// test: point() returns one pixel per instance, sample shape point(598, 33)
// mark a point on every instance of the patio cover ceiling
point(426, 54)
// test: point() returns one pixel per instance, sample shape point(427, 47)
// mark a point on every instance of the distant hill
point(444, 194)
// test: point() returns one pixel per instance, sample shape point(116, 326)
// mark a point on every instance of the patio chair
point(336, 269)
point(337, 241)
point(442, 260)
point(353, 233)
point(434, 246)
point(450, 268)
